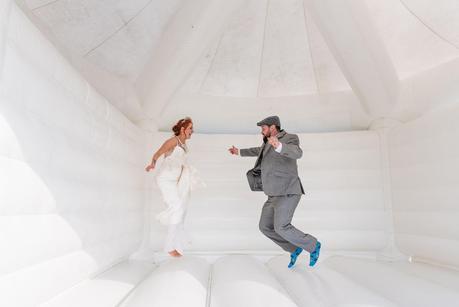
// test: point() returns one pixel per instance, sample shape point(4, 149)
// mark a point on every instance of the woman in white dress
point(175, 179)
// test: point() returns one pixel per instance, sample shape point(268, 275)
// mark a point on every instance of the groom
point(276, 173)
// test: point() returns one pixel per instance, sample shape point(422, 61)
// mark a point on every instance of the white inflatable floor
point(265, 281)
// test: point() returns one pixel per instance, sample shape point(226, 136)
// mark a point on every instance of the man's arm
point(250, 152)
point(246, 152)
point(291, 148)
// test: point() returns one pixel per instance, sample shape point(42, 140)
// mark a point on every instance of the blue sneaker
point(293, 257)
point(315, 254)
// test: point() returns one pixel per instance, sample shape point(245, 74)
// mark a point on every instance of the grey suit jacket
point(276, 173)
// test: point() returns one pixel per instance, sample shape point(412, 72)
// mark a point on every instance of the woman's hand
point(150, 167)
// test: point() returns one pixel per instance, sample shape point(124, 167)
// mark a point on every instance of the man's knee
point(282, 229)
point(264, 228)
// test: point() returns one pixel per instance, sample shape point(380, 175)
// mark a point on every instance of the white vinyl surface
point(86, 86)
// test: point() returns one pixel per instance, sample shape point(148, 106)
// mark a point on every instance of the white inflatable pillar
point(359, 51)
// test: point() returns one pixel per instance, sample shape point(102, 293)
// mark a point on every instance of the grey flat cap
point(272, 120)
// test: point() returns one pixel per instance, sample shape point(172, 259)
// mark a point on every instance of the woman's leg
point(170, 245)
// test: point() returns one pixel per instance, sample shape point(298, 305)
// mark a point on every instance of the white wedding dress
point(176, 178)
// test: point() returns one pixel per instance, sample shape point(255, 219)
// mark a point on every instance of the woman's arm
point(166, 147)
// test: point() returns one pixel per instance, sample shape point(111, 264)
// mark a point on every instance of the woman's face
point(188, 131)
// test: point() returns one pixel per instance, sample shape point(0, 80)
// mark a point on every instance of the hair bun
point(184, 122)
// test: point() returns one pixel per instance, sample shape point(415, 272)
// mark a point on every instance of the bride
point(175, 179)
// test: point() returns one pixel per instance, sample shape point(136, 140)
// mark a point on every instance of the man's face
point(267, 130)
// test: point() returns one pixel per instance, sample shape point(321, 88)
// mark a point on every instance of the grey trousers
point(275, 223)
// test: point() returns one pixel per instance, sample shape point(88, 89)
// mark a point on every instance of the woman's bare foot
point(175, 253)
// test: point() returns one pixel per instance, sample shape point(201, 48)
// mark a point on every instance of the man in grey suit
point(276, 173)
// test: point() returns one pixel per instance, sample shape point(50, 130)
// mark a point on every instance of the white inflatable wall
point(71, 171)
point(425, 185)
point(344, 202)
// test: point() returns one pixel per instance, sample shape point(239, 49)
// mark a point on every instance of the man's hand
point(274, 141)
point(233, 150)
point(150, 167)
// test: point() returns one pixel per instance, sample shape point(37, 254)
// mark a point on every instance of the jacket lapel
point(260, 155)
point(281, 134)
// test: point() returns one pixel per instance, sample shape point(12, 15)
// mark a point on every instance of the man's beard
point(265, 137)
